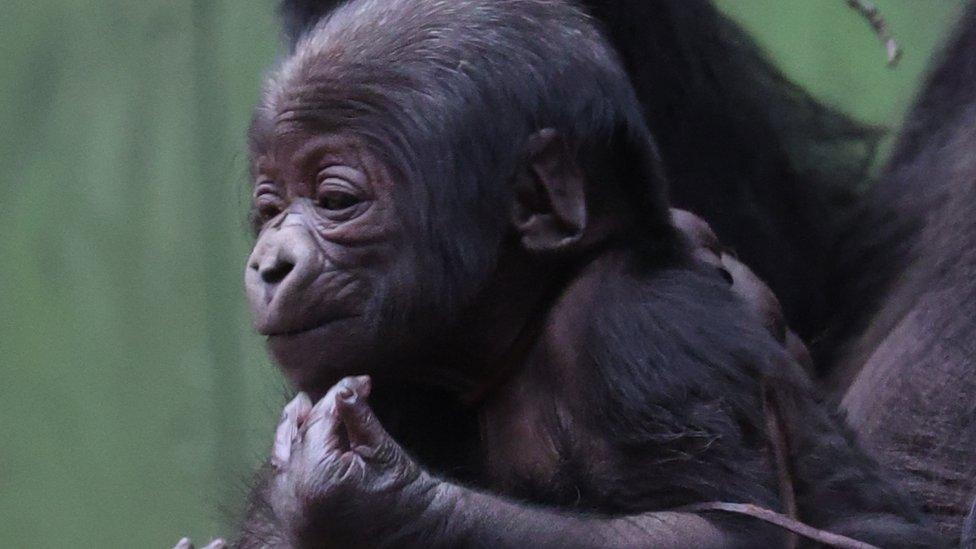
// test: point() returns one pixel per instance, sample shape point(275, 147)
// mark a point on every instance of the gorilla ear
point(550, 195)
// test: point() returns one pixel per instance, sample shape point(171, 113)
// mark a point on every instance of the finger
point(758, 296)
point(366, 433)
point(322, 428)
point(711, 258)
point(216, 544)
point(292, 417)
point(696, 230)
point(184, 543)
point(799, 351)
point(705, 245)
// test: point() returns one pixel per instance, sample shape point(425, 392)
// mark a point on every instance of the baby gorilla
point(462, 201)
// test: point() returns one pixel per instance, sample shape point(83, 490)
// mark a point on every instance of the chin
point(316, 359)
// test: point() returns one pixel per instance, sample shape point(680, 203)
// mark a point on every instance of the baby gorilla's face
point(329, 256)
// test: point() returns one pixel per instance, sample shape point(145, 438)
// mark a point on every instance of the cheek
point(366, 286)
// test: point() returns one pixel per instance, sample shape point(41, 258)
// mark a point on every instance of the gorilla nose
point(277, 275)
point(274, 269)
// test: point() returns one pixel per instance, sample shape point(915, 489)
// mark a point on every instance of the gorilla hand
point(339, 476)
point(745, 284)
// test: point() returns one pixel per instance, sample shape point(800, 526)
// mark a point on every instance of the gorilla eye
point(267, 202)
point(337, 200)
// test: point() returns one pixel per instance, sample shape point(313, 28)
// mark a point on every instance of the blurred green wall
point(133, 398)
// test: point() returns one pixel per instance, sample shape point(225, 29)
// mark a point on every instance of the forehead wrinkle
point(325, 100)
point(345, 147)
point(301, 117)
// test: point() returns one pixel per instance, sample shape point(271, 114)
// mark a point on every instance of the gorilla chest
point(525, 449)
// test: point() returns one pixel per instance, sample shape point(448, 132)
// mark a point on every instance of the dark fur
point(968, 538)
point(672, 362)
point(676, 381)
point(298, 16)
point(770, 168)
point(912, 373)
point(894, 231)
point(773, 171)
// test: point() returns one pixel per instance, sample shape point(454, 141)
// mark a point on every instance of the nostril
point(276, 272)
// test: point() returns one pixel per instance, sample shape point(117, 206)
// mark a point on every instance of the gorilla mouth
point(306, 330)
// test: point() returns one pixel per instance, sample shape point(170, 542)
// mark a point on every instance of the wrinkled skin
point(336, 465)
point(332, 242)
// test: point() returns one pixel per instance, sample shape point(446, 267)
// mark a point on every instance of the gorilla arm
point(337, 475)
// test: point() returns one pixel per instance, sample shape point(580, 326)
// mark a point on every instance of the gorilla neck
point(519, 313)
point(522, 417)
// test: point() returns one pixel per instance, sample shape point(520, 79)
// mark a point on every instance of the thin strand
point(822, 536)
point(869, 11)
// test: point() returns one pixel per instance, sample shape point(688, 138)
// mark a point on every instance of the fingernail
point(347, 395)
point(365, 384)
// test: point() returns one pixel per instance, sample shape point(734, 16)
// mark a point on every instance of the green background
point(133, 397)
